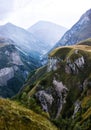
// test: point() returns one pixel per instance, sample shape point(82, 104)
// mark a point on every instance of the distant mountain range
point(54, 96)
point(47, 32)
point(20, 53)
point(80, 31)
point(30, 46)
point(15, 66)
point(17, 46)
point(22, 38)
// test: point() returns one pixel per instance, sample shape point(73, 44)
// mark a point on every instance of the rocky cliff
point(62, 88)
point(5, 75)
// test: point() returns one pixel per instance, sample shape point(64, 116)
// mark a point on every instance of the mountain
point(85, 42)
point(62, 88)
point(47, 32)
point(54, 96)
point(23, 39)
point(15, 66)
point(80, 31)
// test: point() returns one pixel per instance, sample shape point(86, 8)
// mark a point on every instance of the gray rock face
point(80, 62)
point(45, 99)
point(15, 59)
point(75, 66)
point(60, 95)
point(77, 107)
point(53, 64)
point(56, 99)
point(5, 75)
point(59, 87)
point(9, 56)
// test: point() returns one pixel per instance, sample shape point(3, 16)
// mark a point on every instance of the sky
point(25, 13)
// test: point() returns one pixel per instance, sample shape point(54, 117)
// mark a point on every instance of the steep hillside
point(14, 67)
point(16, 117)
point(80, 31)
point(47, 32)
point(62, 88)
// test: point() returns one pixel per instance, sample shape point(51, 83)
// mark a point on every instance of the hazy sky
point(25, 13)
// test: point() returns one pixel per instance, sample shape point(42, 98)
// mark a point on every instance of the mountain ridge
point(15, 66)
point(56, 96)
point(22, 38)
point(47, 32)
point(62, 86)
point(78, 32)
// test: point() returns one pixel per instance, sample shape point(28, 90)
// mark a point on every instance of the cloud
point(6, 7)
point(24, 13)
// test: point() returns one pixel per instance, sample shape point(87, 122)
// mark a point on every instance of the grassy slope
point(16, 117)
point(63, 53)
point(44, 81)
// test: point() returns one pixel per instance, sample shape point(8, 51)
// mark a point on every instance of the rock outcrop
point(74, 67)
point(77, 107)
point(45, 99)
point(5, 75)
point(59, 94)
point(53, 64)
point(15, 59)
point(56, 99)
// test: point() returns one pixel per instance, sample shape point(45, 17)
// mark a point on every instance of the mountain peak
point(46, 24)
point(47, 32)
point(8, 24)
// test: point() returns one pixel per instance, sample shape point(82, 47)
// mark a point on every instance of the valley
point(45, 81)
